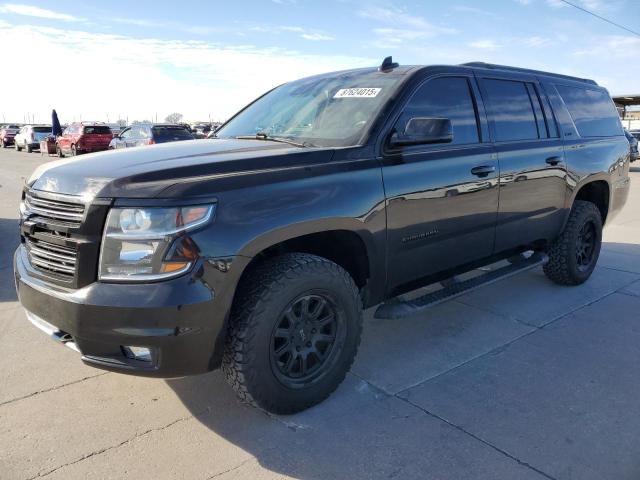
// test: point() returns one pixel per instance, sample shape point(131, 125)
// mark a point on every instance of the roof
point(627, 100)
point(492, 66)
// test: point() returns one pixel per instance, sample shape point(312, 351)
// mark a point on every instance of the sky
point(96, 60)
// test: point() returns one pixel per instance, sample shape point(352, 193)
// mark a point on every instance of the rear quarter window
point(592, 111)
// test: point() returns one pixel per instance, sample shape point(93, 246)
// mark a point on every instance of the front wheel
point(28, 147)
point(59, 151)
point(294, 331)
point(573, 256)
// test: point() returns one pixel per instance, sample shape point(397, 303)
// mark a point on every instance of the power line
point(601, 18)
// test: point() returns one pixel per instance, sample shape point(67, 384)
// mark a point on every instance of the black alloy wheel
point(586, 246)
point(305, 339)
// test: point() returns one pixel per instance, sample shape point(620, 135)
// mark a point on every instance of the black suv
point(258, 250)
point(148, 134)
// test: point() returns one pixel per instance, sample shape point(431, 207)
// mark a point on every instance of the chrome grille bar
point(52, 258)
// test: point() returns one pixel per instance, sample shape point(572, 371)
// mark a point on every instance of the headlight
point(142, 244)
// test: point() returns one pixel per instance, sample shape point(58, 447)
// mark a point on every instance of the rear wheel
point(4, 144)
point(573, 256)
point(16, 146)
point(294, 332)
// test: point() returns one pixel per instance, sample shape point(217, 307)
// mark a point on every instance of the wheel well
point(343, 247)
point(598, 194)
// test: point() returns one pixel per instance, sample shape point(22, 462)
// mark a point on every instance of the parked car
point(7, 134)
point(83, 137)
point(115, 128)
point(258, 251)
point(148, 134)
point(633, 145)
point(29, 136)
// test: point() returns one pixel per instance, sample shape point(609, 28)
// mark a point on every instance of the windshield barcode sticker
point(357, 93)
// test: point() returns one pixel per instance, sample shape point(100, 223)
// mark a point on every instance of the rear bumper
point(181, 321)
point(84, 148)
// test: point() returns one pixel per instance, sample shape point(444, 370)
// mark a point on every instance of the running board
point(397, 308)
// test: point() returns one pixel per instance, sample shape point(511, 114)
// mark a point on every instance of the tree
point(173, 118)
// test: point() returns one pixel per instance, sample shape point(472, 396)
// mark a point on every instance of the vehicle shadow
point(10, 233)
point(329, 433)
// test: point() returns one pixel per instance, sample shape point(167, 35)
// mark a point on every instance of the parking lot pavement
point(520, 379)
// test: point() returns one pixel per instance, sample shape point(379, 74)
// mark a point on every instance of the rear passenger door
point(532, 167)
point(442, 199)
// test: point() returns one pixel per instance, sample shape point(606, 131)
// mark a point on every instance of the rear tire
point(294, 331)
point(573, 256)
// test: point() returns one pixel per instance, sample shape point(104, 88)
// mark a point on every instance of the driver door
point(442, 198)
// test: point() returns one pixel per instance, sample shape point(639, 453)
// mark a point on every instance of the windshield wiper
point(269, 138)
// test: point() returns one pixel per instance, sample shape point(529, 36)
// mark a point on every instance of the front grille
point(66, 213)
point(52, 258)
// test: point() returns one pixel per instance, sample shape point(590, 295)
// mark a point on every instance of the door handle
point(553, 160)
point(483, 170)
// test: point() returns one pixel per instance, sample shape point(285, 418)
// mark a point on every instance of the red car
point(83, 138)
point(7, 134)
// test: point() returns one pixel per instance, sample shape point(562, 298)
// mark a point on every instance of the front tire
point(294, 331)
point(573, 256)
point(28, 148)
point(16, 146)
point(74, 151)
point(59, 151)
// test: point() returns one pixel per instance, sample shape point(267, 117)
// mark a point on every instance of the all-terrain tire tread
point(557, 269)
point(264, 281)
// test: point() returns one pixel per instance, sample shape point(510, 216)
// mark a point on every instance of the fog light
point(142, 354)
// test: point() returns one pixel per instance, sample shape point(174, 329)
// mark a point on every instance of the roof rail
point(493, 66)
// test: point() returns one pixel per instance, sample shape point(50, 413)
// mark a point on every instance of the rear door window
point(446, 97)
point(511, 108)
point(592, 111)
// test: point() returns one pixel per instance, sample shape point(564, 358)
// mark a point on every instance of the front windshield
point(333, 110)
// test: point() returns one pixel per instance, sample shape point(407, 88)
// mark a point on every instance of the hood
point(146, 172)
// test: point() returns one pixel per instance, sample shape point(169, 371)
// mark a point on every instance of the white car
point(29, 137)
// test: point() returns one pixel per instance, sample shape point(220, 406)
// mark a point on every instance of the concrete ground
point(521, 379)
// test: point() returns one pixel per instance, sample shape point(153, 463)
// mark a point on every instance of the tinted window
point(42, 129)
point(592, 111)
point(97, 130)
point(511, 109)
point(448, 97)
point(170, 134)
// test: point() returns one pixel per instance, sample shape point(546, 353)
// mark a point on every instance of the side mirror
point(423, 130)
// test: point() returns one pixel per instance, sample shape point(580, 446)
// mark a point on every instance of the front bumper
point(181, 320)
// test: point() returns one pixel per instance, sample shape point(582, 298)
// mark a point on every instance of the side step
point(397, 308)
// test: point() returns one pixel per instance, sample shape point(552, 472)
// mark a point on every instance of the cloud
point(304, 33)
point(485, 44)
point(537, 41)
point(31, 11)
point(400, 26)
point(131, 77)
point(473, 10)
point(316, 36)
